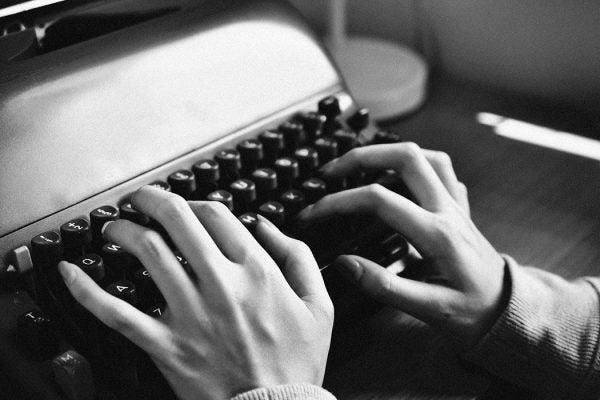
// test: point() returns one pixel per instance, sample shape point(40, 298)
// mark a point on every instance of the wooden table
point(539, 205)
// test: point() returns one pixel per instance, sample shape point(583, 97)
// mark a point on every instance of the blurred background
point(546, 49)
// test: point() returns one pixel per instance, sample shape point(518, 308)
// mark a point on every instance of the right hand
point(462, 291)
point(249, 316)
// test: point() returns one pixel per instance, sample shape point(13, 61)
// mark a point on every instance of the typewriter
point(228, 101)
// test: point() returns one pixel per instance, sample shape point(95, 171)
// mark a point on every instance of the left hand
point(243, 323)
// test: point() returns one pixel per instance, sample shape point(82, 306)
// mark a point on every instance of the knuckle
point(328, 310)
point(215, 208)
point(412, 150)
point(151, 243)
point(443, 159)
point(445, 230)
point(298, 246)
point(383, 287)
point(117, 320)
point(174, 207)
point(355, 155)
point(375, 192)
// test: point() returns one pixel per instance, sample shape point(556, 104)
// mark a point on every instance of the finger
point(150, 248)
point(464, 199)
point(407, 159)
point(442, 165)
point(148, 333)
point(401, 214)
point(188, 234)
point(422, 300)
point(295, 260)
point(232, 238)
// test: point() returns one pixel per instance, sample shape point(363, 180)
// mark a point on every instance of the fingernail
point(348, 267)
point(104, 227)
point(268, 223)
point(67, 271)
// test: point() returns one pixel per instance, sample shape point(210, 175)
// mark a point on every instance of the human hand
point(463, 285)
point(242, 323)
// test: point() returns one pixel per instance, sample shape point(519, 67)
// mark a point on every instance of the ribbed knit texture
point(302, 391)
point(547, 338)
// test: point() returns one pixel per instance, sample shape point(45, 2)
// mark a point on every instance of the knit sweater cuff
point(548, 336)
point(303, 391)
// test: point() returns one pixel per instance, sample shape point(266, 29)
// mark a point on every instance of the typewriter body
point(86, 124)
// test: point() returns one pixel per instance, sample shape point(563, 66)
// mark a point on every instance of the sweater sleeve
point(302, 391)
point(548, 337)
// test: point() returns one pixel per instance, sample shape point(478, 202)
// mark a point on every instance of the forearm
point(548, 336)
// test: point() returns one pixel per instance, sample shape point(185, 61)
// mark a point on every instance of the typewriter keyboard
point(274, 174)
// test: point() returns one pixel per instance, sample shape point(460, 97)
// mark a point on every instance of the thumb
point(419, 299)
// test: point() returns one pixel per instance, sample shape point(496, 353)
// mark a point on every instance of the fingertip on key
point(106, 224)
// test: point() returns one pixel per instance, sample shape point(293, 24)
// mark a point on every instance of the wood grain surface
point(541, 206)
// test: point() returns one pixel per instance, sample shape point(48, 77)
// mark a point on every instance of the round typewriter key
point(207, 177)
point(129, 213)
point(292, 135)
point(308, 160)
point(46, 248)
point(244, 194)
point(147, 289)
point(313, 124)
point(98, 217)
point(265, 180)
point(273, 145)
point(273, 211)
point(76, 236)
point(230, 163)
point(249, 220)
point(156, 310)
point(386, 137)
point(251, 153)
point(329, 107)
point(327, 148)
point(161, 185)
point(46, 252)
point(124, 290)
point(118, 263)
point(93, 265)
point(314, 189)
point(359, 120)
point(183, 183)
point(293, 201)
point(35, 330)
point(346, 140)
point(288, 170)
point(206, 171)
point(222, 196)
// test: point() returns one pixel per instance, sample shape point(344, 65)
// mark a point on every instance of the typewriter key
point(98, 217)
point(274, 212)
point(273, 145)
point(222, 196)
point(251, 154)
point(76, 236)
point(207, 178)
point(124, 290)
point(183, 183)
point(93, 265)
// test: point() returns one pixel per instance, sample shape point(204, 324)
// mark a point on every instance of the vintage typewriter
point(228, 101)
